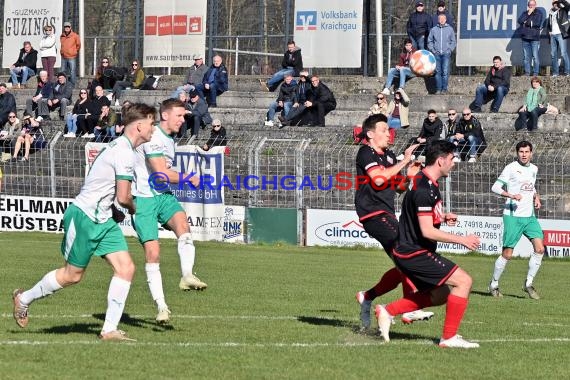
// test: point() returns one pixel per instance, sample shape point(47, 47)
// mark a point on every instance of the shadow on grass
point(81, 328)
point(127, 320)
point(505, 295)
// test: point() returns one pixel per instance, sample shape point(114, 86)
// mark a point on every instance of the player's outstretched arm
point(158, 165)
point(432, 233)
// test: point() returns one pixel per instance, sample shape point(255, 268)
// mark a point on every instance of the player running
point(155, 159)
point(90, 229)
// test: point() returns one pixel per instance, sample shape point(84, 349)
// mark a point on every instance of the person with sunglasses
point(450, 128)
point(79, 111)
point(134, 79)
point(106, 76)
point(468, 133)
point(380, 106)
point(48, 51)
point(9, 129)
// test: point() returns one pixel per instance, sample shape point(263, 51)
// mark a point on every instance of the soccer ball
point(422, 63)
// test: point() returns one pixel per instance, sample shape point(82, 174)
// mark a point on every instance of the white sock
point(187, 253)
point(533, 267)
point(154, 280)
point(116, 298)
point(45, 287)
point(500, 265)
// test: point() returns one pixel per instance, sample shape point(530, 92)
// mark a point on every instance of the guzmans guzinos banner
point(488, 28)
point(24, 21)
point(174, 30)
point(329, 32)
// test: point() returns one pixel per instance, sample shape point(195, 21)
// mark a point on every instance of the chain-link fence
point(273, 169)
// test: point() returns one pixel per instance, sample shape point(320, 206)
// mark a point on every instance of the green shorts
point(84, 238)
point(516, 226)
point(153, 211)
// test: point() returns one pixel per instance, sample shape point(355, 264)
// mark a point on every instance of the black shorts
point(426, 270)
point(384, 228)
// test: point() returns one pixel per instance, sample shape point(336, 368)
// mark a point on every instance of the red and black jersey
point(423, 198)
point(370, 199)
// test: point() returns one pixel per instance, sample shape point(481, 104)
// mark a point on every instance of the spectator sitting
point(105, 128)
point(25, 66)
point(284, 101)
point(469, 131)
point(217, 135)
point(7, 103)
point(320, 101)
point(86, 125)
point(441, 10)
point(61, 96)
point(450, 125)
point(418, 26)
point(38, 102)
point(402, 69)
point(9, 129)
point(431, 131)
point(195, 75)
point(120, 127)
point(200, 115)
point(31, 131)
point(292, 63)
point(398, 113)
point(106, 77)
point(80, 111)
point(380, 106)
point(215, 82)
point(299, 99)
point(534, 106)
point(134, 79)
point(496, 87)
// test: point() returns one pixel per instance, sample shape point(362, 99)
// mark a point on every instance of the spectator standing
point(402, 69)
point(134, 79)
point(217, 135)
point(38, 102)
point(80, 110)
point(441, 42)
point(468, 131)
point(48, 51)
point(200, 115)
point(496, 87)
point(398, 113)
point(284, 100)
point(292, 63)
point(61, 95)
point(530, 23)
point(442, 10)
point(380, 106)
point(70, 45)
point(214, 83)
point(535, 104)
point(195, 75)
point(7, 103)
point(558, 26)
point(419, 25)
point(24, 66)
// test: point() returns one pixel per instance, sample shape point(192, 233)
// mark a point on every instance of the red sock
point(410, 302)
point(453, 315)
point(389, 281)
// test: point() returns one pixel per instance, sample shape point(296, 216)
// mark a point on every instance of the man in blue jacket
point(419, 25)
point(530, 23)
point(215, 82)
point(441, 42)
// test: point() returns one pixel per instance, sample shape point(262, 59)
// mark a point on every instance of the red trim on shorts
point(409, 255)
point(379, 212)
point(448, 275)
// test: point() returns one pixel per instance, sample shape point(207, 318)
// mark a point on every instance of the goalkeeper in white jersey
point(517, 184)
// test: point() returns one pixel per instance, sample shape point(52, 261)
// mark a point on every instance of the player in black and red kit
point(379, 180)
point(436, 279)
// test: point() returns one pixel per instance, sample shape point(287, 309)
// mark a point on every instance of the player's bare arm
point(158, 165)
point(124, 196)
point(379, 175)
point(498, 189)
point(432, 233)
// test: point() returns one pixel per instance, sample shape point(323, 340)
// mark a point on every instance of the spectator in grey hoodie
point(61, 95)
point(441, 42)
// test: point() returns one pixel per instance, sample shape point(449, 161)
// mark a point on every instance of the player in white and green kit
point(157, 205)
point(516, 183)
point(90, 229)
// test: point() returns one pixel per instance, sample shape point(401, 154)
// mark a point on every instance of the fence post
point(95, 56)
point(256, 170)
point(389, 53)
point(448, 207)
point(299, 173)
point(53, 189)
point(237, 57)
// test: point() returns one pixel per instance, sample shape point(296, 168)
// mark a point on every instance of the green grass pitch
point(273, 312)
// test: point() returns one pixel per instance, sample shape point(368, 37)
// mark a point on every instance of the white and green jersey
point(519, 179)
point(114, 162)
point(160, 145)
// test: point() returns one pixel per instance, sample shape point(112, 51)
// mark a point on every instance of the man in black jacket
point(468, 133)
point(320, 101)
point(284, 101)
point(61, 95)
point(558, 27)
point(7, 104)
point(292, 63)
point(496, 87)
point(419, 25)
point(431, 130)
point(25, 65)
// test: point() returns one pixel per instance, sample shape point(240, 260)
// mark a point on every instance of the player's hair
point(290, 42)
point(523, 144)
point(137, 111)
point(437, 149)
point(431, 111)
point(370, 123)
point(169, 104)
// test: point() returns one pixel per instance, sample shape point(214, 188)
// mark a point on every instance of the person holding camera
point(530, 22)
